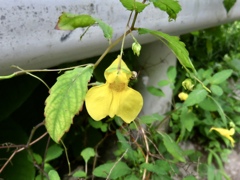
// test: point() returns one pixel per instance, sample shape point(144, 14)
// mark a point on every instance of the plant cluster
point(122, 145)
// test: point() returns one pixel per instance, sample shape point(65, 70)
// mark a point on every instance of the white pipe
point(28, 38)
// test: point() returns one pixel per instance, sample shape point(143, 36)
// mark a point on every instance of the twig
point(69, 165)
point(21, 149)
point(147, 151)
point(116, 164)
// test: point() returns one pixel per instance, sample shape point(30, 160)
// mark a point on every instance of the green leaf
point(187, 119)
point(107, 30)
point(217, 90)
point(221, 76)
point(171, 7)
point(53, 175)
point(53, 152)
point(80, 174)
point(220, 110)
point(164, 170)
point(189, 177)
point(87, 153)
point(195, 97)
point(163, 83)
point(155, 91)
point(149, 119)
point(228, 4)
point(65, 100)
point(173, 148)
point(133, 5)
point(172, 73)
point(69, 21)
point(37, 158)
point(208, 104)
point(116, 170)
point(174, 44)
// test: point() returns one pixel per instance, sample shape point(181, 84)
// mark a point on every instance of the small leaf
point(217, 90)
point(172, 73)
point(37, 158)
point(173, 148)
point(187, 119)
point(228, 4)
point(133, 5)
point(155, 91)
point(53, 175)
point(208, 104)
point(163, 83)
point(174, 44)
point(87, 153)
point(69, 21)
point(221, 76)
point(65, 100)
point(195, 97)
point(171, 7)
point(149, 119)
point(107, 30)
point(80, 174)
point(118, 170)
point(189, 177)
point(53, 152)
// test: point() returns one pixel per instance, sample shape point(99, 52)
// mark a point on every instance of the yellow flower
point(114, 97)
point(226, 133)
point(183, 96)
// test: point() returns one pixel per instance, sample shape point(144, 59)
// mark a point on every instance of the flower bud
point(136, 47)
point(183, 96)
point(187, 84)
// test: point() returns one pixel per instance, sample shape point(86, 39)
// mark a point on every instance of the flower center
point(117, 86)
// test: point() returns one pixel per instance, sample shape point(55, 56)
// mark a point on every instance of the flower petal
point(98, 101)
point(226, 133)
point(130, 104)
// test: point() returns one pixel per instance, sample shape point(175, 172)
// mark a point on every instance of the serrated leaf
point(65, 100)
point(217, 90)
point(53, 175)
point(53, 152)
point(133, 5)
point(171, 7)
point(118, 170)
point(195, 97)
point(221, 76)
point(69, 21)
point(173, 148)
point(149, 119)
point(87, 153)
point(174, 44)
point(107, 30)
point(228, 4)
point(155, 91)
point(164, 170)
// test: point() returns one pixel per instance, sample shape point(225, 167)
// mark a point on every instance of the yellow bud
point(136, 47)
point(188, 84)
point(183, 96)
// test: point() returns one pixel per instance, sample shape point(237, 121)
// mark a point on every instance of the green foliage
point(174, 44)
point(69, 21)
point(144, 149)
point(112, 170)
point(133, 5)
point(171, 7)
point(228, 4)
point(87, 153)
point(65, 100)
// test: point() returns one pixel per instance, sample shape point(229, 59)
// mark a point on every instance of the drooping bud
point(188, 84)
point(136, 47)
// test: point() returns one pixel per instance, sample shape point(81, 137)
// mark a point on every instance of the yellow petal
point(226, 133)
point(130, 104)
point(114, 67)
point(98, 101)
